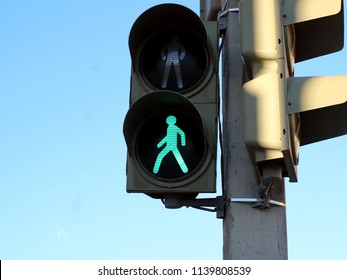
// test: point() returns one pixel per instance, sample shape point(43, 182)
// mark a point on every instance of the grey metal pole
point(248, 233)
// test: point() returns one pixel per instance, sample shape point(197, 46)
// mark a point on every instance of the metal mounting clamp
point(257, 201)
point(222, 18)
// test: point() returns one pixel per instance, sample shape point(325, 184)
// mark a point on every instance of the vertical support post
point(248, 233)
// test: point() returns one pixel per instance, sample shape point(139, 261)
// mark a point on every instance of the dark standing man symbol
point(173, 52)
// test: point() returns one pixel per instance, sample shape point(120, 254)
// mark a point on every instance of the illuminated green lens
point(171, 141)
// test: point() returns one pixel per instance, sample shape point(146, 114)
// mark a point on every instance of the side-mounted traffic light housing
point(281, 111)
point(171, 126)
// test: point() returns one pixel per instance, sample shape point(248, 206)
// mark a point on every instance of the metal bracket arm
point(216, 204)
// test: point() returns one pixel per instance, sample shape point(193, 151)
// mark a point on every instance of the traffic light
point(171, 126)
point(283, 112)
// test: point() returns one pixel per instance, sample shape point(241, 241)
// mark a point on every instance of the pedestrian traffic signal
point(171, 126)
point(167, 145)
point(283, 112)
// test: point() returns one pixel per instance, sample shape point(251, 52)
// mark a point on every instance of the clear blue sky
point(64, 91)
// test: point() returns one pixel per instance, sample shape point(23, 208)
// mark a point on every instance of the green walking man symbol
point(171, 145)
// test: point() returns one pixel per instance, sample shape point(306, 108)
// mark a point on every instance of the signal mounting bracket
point(216, 204)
